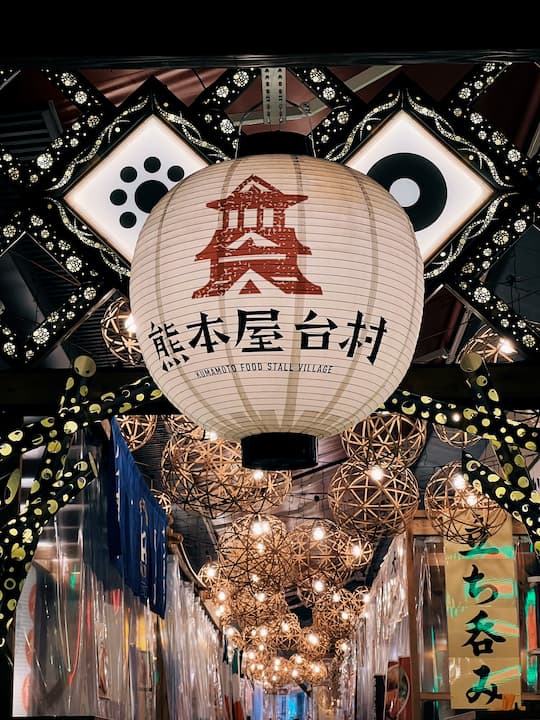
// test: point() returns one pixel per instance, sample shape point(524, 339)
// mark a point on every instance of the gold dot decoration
point(376, 502)
point(523, 504)
point(254, 552)
point(459, 511)
point(317, 562)
point(118, 331)
point(137, 430)
point(384, 436)
point(207, 477)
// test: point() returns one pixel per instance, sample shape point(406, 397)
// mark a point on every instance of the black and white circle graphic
point(416, 183)
point(141, 189)
point(435, 186)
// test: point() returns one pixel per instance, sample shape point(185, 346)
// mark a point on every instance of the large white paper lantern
point(277, 299)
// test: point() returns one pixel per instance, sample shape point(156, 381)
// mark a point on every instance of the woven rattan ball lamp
point(294, 300)
point(179, 425)
point(336, 612)
point(137, 429)
point(313, 642)
point(206, 476)
point(457, 510)
point(315, 672)
point(377, 502)
point(356, 552)
point(247, 609)
point(285, 631)
point(384, 436)
point(118, 331)
point(298, 665)
point(234, 636)
point(491, 346)
point(210, 574)
point(163, 499)
point(455, 437)
point(277, 674)
point(316, 560)
point(254, 552)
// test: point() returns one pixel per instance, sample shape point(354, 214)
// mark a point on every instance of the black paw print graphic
point(148, 192)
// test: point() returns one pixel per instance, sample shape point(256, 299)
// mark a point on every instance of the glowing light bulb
point(295, 673)
point(130, 325)
point(458, 481)
point(258, 475)
point(251, 654)
point(336, 597)
point(222, 595)
point(256, 528)
point(356, 550)
point(376, 473)
point(318, 533)
point(211, 571)
point(456, 417)
point(260, 548)
point(318, 586)
point(264, 632)
point(285, 626)
point(313, 639)
point(298, 659)
point(345, 615)
point(471, 500)
point(220, 611)
point(261, 596)
point(211, 435)
point(366, 598)
point(255, 578)
point(507, 346)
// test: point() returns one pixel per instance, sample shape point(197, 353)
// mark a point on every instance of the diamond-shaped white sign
point(115, 197)
point(439, 191)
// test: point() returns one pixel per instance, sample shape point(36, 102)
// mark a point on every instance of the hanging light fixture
point(137, 429)
point(278, 299)
point(459, 511)
point(119, 332)
point(384, 437)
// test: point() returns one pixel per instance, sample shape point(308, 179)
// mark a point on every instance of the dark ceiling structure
point(62, 117)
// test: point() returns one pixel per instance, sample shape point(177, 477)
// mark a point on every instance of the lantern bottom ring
point(279, 451)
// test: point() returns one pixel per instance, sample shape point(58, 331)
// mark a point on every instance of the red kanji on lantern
point(253, 237)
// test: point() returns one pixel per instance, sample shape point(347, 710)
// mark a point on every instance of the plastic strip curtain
point(383, 633)
point(85, 645)
point(191, 653)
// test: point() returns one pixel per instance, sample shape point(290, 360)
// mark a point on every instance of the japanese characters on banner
point(483, 626)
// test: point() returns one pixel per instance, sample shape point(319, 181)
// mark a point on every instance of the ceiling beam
point(278, 56)
point(37, 392)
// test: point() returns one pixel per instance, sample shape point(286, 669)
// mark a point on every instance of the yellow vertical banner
point(483, 623)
